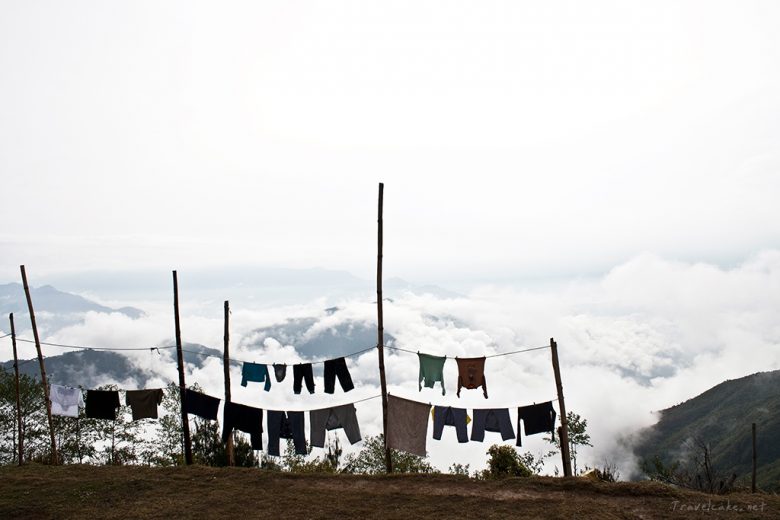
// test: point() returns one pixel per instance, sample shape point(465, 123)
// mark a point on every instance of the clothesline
point(490, 356)
point(316, 362)
point(5, 335)
point(554, 399)
point(84, 347)
point(205, 354)
point(321, 407)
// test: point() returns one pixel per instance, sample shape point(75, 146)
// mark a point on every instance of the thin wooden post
point(380, 329)
point(45, 384)
point(564, 430)
point(185, 422)
point(18, 398)
point(753, 481)
point(226, 366)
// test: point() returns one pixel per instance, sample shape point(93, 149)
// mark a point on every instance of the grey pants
point(333, 418)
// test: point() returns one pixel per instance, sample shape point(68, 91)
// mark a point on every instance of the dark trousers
point(337, 367)
point(303, 372)
point(449, 416)
point(491, 420)
point(289, 425)
point(245, 418)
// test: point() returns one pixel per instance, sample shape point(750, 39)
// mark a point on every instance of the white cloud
point(647, 335)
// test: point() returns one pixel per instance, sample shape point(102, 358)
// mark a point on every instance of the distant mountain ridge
point(91, 368)
point(722, 418)
point(270, 285)
point(48, 299)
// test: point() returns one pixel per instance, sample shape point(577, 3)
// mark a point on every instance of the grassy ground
point(67, 492)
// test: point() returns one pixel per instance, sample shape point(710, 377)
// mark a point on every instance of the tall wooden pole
point(18, 399)
point(564, 430)
point(226, 366)
point(185, 422)
point(380, 329)
point(753, 481)
point(45, 384)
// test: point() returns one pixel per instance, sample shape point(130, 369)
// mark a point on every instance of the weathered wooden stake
point(18, 398)
point(54, 458)
point(564, 430)
point(226, 366)
point(185, 422)
point(381, 330)
point(753, 481)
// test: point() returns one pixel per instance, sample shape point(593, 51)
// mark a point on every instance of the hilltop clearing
point(69, 492)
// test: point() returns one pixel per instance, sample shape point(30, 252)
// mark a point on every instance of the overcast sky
point(515, 139)
point(633, 143)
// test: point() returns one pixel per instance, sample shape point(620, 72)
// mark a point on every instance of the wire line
point(316, 362)
point(90, 348)
point(490, 356)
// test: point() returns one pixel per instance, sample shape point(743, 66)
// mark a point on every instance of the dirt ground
point(70, 492)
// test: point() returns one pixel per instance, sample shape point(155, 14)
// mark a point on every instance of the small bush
point(504, 461)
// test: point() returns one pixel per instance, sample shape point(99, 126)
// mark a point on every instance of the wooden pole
point(18, 398)
point(753, 481)
point(380, 329)
point(226, 366)
point(185, 422)
point(564, 430)
point(43, 367)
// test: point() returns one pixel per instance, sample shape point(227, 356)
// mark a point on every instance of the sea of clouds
point(647, 335)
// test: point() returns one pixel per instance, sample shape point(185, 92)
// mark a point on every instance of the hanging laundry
point(537, 418)
point(407, 425)
point(471, 374)
point(286, 425)
point(102, 404)
point(65, 401)
point(255, 372)
point(144, 403)
point(492, 420)
point(333, 368)
point(431, 370)
point(302, 371)
point(449, 416)
point(331, 419)
point(201, 405)
point(280, 371)
point(245, 418)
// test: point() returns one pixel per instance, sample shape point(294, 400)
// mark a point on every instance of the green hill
point(722, 417)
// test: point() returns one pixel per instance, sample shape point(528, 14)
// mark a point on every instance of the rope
point(5, 336)
point(91, 348)
point(553, 400)
point(490, 356)
point(517, 351)
point(316, 362)
point(323, 407)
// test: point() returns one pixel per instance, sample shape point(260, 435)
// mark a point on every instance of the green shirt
point(431, 370)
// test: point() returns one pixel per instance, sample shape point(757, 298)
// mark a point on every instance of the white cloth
point(65, 400)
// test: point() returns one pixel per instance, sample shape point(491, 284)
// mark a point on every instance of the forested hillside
point(721, 419)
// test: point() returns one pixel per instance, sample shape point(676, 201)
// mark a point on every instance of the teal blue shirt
point(255, 372)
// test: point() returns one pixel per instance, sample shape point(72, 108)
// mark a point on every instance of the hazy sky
point(516, 139)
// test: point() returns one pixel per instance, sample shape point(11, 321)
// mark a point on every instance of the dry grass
point(70, 492)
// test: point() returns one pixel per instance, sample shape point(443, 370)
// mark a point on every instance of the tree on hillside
point(117, 442)
point(504, 461)
point(578, 436)
point(329, 462)
point(35, 428)
point(371, 459)
point(209, 450)
point(694, 471)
